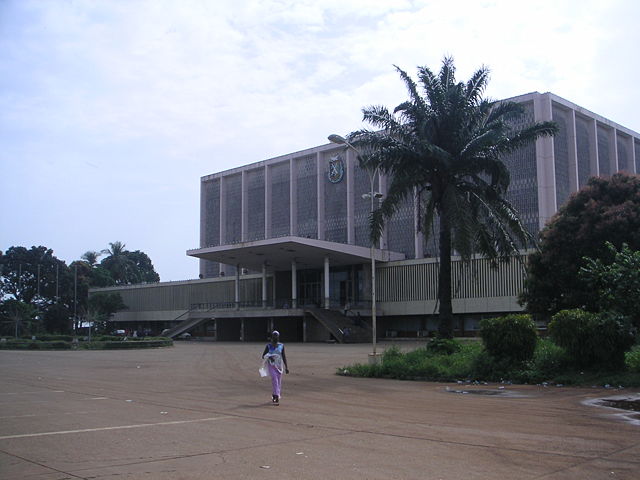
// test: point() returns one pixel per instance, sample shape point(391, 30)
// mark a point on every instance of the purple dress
point(275, 364)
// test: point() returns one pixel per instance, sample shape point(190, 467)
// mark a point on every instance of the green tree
point(144, 267)
point(445, 146)
point(118, 264)
point(127, 267)
point(91, 257)
point(18, 318)
point(58, 319)
point(616, 283)
point(101, 308)
point(604, 210)
point(27, 272)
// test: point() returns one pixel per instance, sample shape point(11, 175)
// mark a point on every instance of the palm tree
point(444, 147)
point(118, 263)
point(91, 257)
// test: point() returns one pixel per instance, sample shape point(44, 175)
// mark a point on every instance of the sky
point(112, 110)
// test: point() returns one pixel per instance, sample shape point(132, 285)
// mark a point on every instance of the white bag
point(263, 371)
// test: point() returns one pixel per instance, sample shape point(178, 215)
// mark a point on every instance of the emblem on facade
point(336, 169)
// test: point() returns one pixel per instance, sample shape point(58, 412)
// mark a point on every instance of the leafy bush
point(444, 346)
point(54, 338)
point(511, 338)
point(550, 363)
point(21, 344)
point(596, 341)
point(548, 359)
point(632, 359)
point(143, 344)
point(419, 364)
point(616, 282)
point(107, 338)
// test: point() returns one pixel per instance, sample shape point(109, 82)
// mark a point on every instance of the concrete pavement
point(201, 411)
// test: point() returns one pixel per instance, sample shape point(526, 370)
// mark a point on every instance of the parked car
point(119, 333)
point(185, 336)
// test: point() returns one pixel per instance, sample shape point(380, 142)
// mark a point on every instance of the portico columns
point(237, 287)
point(326, 283)
point(294, 285)
point(264, 285)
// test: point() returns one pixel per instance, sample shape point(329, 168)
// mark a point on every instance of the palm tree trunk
point(445, 316)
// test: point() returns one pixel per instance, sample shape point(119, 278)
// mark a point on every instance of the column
point(223, 219)
point(264, 284)
point(632, 156)
point(293, 197)
point(545, 162)
point(382, 188)
point(304, 329)
point(320, 178)
point(594, 160)
point(203, 241)
point(573, 152)
point(613, 150)
point(418, 235)
point(350, 160)
point(294, 284)
point(267, 202)
point(327, 297)
point(237, 287)
point(244, 213)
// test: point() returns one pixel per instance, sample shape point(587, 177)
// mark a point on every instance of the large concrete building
point(284, 242)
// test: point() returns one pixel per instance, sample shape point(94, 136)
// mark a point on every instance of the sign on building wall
point(336, 169)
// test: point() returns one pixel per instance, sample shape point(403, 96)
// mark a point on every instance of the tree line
point(41, 293)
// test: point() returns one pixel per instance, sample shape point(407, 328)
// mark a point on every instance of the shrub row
point(590, 340)
point(593, 340)
point(21, 344)
point(45, 337)
point(138, 344)
point(34, 345)
point(583, 348)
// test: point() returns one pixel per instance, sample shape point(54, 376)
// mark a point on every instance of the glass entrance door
point(310, 288)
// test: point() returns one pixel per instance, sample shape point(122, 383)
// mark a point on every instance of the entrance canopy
point(278, 253)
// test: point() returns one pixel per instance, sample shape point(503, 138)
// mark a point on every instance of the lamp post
point(372, 194)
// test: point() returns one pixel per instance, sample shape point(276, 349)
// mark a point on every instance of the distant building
point(285, 241)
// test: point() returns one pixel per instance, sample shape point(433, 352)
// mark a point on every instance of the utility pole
point(75, 296)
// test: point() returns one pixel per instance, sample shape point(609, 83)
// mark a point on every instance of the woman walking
point(276, 361)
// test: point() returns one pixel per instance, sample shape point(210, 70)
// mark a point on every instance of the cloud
point(131, 102)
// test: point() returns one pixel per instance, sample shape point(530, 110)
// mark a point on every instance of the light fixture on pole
point(371, 195)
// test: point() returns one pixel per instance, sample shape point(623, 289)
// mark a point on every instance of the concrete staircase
point(183, 326)
point(342, 327)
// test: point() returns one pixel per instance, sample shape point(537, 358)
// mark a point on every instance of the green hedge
point(632, 359)
point(593, 340)
point(34, 345)
point(511, 338)
point(137, 344)
point(21, 344)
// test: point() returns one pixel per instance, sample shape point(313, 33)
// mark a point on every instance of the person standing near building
point(276, 361)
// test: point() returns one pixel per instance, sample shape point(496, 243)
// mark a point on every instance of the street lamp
point(371, 195)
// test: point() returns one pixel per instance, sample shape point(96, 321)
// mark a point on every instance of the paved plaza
point(201, 411)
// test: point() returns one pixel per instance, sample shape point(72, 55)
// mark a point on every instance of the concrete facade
point(292, 232)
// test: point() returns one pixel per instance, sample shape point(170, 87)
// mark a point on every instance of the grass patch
point(469, 361)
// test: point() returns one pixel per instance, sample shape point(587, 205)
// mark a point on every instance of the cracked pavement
point(201, 411)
